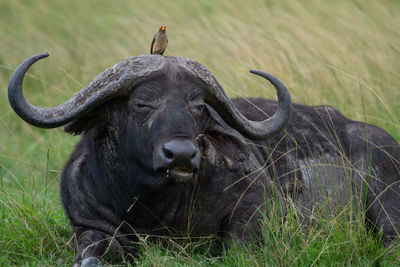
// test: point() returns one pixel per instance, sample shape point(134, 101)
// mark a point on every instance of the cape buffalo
point(165, 151)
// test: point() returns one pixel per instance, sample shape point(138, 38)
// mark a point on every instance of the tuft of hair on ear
point(99, 117)
point(78, 126)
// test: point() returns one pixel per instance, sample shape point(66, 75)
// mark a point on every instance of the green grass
point(343, 53)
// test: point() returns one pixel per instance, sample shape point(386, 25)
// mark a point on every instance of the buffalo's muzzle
point(179, 159)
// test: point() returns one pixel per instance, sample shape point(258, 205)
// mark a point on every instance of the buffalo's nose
point(178, 153)
point(181, 153)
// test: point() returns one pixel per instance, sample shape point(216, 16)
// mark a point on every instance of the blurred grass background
point(344, 53)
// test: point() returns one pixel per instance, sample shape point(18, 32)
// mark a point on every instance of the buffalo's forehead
point(175, 78)
point(180, 69)
point(177, 75)
point(136, 70)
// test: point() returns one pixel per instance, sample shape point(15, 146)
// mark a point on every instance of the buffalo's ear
point(102, 117)
point(225, 140)
point(80, 125)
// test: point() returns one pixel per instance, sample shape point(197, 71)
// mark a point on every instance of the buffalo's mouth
point(180, 174)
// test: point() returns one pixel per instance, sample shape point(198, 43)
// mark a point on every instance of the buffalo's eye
point(140, 105)
point(197, 108)
point(143, 106)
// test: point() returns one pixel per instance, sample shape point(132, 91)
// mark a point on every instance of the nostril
point(168, 153)
point(177, 153)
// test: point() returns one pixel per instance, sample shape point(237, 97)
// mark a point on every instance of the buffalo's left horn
point(115, 82)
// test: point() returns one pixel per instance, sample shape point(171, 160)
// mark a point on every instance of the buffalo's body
point(163, 159)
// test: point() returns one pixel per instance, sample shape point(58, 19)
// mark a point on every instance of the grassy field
point(344, 53)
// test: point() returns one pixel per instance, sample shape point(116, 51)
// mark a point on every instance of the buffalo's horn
point(215, 97)
point(254, 129)
point(114, 82)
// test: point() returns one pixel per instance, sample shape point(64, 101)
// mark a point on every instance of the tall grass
point(344, 53)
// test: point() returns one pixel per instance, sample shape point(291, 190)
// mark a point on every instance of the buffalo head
point(168, 104)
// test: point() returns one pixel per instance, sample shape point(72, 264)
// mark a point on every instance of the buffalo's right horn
point(255, 129)
point(216, 97)
point(114, 82)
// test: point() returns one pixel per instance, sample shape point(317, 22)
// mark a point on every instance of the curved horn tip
point(42, 55)
point(37, 57)
point(253, 71)
point(30, 61)
point(260, 73)
point(271, 78)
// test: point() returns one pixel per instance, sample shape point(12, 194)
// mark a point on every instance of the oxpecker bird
point(160, 41)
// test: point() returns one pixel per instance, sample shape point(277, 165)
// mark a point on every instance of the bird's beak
point(163, 28)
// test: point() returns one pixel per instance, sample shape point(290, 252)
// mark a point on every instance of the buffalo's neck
point(162, 207)
point(142, 206)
